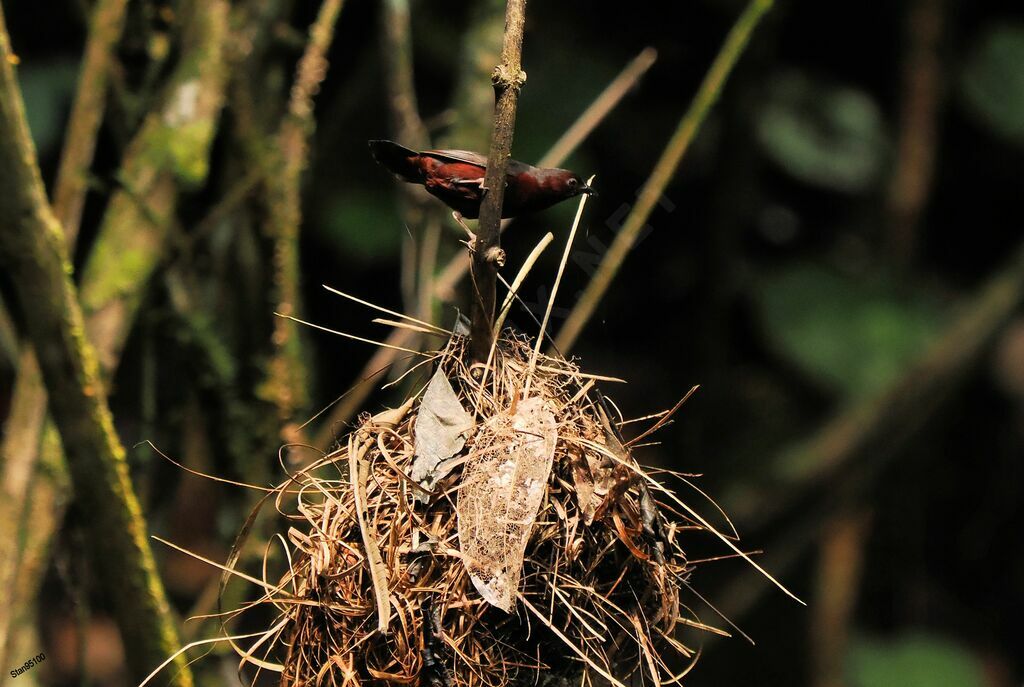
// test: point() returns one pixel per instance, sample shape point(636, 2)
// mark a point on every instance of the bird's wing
point(466, 156)
point(514, 168)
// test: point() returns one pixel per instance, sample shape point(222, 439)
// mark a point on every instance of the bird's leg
point(457, 216)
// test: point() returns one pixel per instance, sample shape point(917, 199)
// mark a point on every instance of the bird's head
point(567, 184)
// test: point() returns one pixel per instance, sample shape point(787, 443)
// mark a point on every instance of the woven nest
point(525, 546)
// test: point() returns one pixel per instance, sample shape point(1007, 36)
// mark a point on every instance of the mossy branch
point(508, 78)
point(171, 151)
point(287, 379)
point(20, 447)
point(33, 251)
point(664, 170)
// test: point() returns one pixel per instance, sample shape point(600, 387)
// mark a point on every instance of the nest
point(525, 547)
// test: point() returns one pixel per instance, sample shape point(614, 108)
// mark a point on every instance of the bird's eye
point(573, 183)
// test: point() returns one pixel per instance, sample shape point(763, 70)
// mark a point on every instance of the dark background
point(778, 276)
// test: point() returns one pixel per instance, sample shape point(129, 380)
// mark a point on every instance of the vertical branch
point(20, 447)
point(663, 171)
point(287, 378)
point(33, 251)
point(840, 562)
point(915, 150)
point(422, 223)
point(106, 26)
point(508, 78)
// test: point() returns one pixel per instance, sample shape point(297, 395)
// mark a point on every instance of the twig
point(513, 288)
point(287, 373)
point(508, 78)
point(41, 516)
point(445, 283)
point(915, 151)
point(664, 170)
point(106, 26)
point(840, 561)
point(33, 251)
point(554, 288)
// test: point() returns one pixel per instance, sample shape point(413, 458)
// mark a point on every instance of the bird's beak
point(589, 191)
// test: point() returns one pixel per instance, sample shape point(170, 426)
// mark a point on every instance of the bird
point(456, 177)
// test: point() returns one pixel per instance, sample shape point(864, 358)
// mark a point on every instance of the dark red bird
point(457, 178)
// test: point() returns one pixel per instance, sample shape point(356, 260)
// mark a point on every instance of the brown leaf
point(440, 432)
point(501, 492)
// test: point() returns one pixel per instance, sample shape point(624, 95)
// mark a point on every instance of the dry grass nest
point(538, 552)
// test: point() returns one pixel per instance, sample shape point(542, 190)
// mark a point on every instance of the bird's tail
point(399, 160)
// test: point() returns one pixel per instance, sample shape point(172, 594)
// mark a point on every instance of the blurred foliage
point(913, 660)
point(855, 335)
point(992, 81)
point(823, 134)
point(361, 224)
point(47, 89)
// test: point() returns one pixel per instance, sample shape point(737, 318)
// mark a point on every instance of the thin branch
point(664, 170)
point(287, 374)
point(33, 251)
point(105, 28)
point(840, 562)
point(508, 78)
point(922, 89)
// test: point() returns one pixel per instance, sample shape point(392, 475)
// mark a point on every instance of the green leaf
point(823, 134)
point(854, 335)
point(912, 660)
point(992, 82)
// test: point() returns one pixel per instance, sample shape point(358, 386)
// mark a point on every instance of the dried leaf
point(501, 493)
point(359, 473)
point(440, 432)
point(583, 481)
